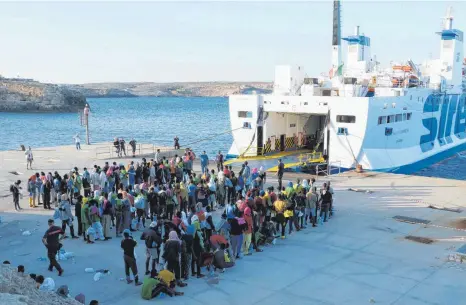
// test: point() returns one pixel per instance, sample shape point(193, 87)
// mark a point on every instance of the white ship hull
point(425, 127)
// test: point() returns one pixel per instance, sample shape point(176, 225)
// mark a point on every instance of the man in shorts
point(153, 241)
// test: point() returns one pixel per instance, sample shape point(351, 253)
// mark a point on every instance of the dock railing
point(142, 150)
point(329, 168)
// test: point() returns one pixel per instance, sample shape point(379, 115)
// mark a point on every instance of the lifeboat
point(402, 68)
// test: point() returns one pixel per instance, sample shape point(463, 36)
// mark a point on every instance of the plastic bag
point(99, 231)
point(90, 231)
point(68, 255)
point(48, 285)
point(97, 276)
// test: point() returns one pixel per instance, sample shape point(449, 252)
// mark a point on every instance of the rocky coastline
point(201, 89)
point(25, 95)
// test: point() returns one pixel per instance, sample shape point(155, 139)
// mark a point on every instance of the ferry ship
point(400, 119)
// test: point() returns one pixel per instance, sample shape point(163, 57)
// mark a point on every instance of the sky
point(83, 42)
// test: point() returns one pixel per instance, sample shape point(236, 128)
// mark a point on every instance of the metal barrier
point(310, 157)
point(103, 151)
point(331, 166)
point(327, 168)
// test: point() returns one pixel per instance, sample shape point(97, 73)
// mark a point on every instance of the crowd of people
point(173, 208)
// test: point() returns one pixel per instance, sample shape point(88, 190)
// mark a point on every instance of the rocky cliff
point(18, 95)
point(172, 89)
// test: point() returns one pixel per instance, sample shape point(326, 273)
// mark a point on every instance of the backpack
point(12, 188)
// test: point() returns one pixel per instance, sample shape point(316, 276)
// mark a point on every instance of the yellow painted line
point(288, 165)
point(269, 157)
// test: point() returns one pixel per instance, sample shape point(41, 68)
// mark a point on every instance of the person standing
point(51, 240)
point(204, 163)
point(86, 181)
point(122, 146)
point(107, 214)
point(153, 242)
point(280, 171)
point(311, 206)
point(77, 141)
point(29, 158)
point(219, 160)
point(325, 199)
point(15, 191)
point(132, 143)
point(176, 141)
point(128, 244)
point(66, 216)
point(172, 255)
point(47, 194)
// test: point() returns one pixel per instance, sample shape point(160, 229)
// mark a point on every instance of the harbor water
point(155, 120)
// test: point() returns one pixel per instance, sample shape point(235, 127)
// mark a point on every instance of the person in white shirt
point(103, 181)
point(152, 172)
point(29, 158)
point(157, 157)
point(77, 140)
point(95, 179)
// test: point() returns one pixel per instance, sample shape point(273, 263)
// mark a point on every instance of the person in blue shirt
point(204, 162)
point(192, 192)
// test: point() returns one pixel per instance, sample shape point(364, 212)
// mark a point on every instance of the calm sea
point(154, 120)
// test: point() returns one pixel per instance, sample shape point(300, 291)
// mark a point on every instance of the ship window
point(398, 118)
point(292, 125)
point(346, 119)
point(244, 114)
point(342, 131)
point(247, 125)
point(404, 116)
point(382, 120)
point(388, 131)
point(305, 103)
point(391, 119)
point(408, 116)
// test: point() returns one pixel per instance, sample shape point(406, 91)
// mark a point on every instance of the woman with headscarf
point(172, 255)
point(198, 247)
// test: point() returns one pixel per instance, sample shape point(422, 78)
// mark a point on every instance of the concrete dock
point(361, 256)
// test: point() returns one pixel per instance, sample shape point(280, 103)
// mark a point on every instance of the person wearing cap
point(153, 241)
point(51, 240)
point(128, 244)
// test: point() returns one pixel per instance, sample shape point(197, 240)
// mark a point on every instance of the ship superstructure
point(399, 118)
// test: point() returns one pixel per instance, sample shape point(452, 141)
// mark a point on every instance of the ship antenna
point(448, 19)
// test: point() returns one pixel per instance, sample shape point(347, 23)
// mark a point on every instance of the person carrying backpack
point(15, 191)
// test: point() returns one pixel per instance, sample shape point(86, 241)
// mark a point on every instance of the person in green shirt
point(153, 287)
point(86, 219)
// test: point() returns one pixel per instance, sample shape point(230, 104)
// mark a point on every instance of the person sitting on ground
point(168, 279)
point(222, 259)
point(21, 270)
point(153, 287)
